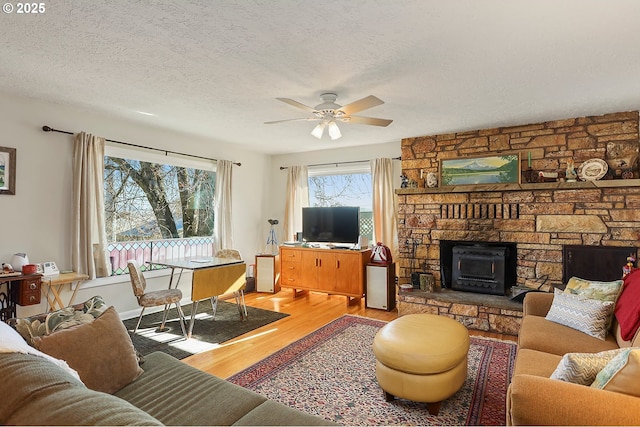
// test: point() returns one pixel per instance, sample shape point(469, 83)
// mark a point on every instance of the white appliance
point(18, 260)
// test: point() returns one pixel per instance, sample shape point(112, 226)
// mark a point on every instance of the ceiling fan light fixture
point(334, 130)
point(318, 130)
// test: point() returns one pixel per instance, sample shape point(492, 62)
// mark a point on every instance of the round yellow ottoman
point(421, 357)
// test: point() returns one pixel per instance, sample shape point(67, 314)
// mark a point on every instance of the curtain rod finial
point(238, 164)
point(46, 128)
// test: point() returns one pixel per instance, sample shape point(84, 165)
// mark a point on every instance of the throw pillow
point(621, 374)
point(101, 352)
point(628, 306)
point(585, 315)
point(12, 342)
point(582, 368)
point(603, 291)
point(47, 323)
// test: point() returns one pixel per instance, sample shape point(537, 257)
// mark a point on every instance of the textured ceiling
point(215, 67)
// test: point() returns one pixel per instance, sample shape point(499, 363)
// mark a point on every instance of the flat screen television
point(337, 224)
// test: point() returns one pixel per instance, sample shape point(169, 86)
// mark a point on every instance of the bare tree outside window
point(341, 190)
point(145, 200)
point(354, 189)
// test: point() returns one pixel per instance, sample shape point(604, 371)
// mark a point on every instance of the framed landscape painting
point(7, 170)
point(503, 169)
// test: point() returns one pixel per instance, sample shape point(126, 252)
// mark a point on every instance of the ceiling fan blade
point(297, 104)
point(362, 104)
point(307, 119)
point(368, 121)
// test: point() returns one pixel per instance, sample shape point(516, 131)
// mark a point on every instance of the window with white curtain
point(347, 184)
point(156, 203)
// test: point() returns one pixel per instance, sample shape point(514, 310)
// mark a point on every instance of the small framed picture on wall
point(7, 170)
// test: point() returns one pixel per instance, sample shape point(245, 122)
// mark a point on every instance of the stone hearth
point(476, 311)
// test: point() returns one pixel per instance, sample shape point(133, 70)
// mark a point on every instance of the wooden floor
point(308, 312)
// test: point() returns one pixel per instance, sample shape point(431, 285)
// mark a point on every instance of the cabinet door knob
point(33, 286)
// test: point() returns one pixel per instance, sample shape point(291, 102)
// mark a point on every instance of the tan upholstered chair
point(164, 297)
point(239, 294)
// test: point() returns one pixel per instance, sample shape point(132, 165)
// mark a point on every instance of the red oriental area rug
point(331, 373)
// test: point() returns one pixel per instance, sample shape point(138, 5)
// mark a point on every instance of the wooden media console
point(332, 271)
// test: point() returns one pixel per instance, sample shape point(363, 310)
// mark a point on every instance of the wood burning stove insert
point(488, 268)
point(479, 269)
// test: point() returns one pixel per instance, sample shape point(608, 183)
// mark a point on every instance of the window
point(156, 207)
point(344, 185)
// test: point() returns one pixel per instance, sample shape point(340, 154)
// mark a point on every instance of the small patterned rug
point(208, 332)
point(331, 373)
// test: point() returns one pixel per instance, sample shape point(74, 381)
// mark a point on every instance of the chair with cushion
point(238, 294)
point(146, 299)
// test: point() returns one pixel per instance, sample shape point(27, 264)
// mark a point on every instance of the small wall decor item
point(570, 172)
point(404, 180)
point(497, 169)
point(629, 266)
point(592, 169)
point(7, 170)
point(432, 180)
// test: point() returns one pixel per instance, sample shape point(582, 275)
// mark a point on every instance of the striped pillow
point(582, 368)
point(585, 315)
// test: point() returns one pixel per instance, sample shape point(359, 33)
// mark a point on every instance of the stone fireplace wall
point(539, 217)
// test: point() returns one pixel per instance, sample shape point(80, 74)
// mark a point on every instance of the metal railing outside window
point(145, 251)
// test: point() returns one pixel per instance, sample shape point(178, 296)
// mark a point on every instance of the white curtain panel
point(89, 245)
point(385, 215)
point(223, 236)
point(297, 198)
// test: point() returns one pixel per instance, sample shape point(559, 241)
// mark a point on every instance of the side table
point(55, 283)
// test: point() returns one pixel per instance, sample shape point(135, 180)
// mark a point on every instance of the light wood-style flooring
point(308, 312)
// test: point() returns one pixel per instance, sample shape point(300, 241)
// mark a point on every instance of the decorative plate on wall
point(592, 169)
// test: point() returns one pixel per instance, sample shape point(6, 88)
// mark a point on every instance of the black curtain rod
point(340, 163)
point(166, 152)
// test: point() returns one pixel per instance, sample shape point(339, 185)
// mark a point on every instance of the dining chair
point(239, 294)
point(146, 299)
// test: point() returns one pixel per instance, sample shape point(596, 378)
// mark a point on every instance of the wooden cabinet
point(333, 271)
point(267, 273)
point(29, 290)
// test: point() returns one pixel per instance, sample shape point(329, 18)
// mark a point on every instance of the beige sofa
point(79, 367)
point(535, 399)
point(169, 392)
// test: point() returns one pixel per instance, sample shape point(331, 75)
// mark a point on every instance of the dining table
point(211, 278)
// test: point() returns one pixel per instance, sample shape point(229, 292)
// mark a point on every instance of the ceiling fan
point(328, 113)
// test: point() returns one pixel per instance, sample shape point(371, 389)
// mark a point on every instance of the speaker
point(299, 236)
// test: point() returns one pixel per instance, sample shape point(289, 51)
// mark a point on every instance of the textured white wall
point(37, 219)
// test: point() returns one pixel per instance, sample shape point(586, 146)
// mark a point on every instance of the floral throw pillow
point(621, 374)
point(602, 291)
point(45, 324)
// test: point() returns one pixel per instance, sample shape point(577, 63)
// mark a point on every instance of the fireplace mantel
point(477, 188)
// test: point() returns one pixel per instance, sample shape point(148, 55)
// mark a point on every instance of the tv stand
point(332, 271)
